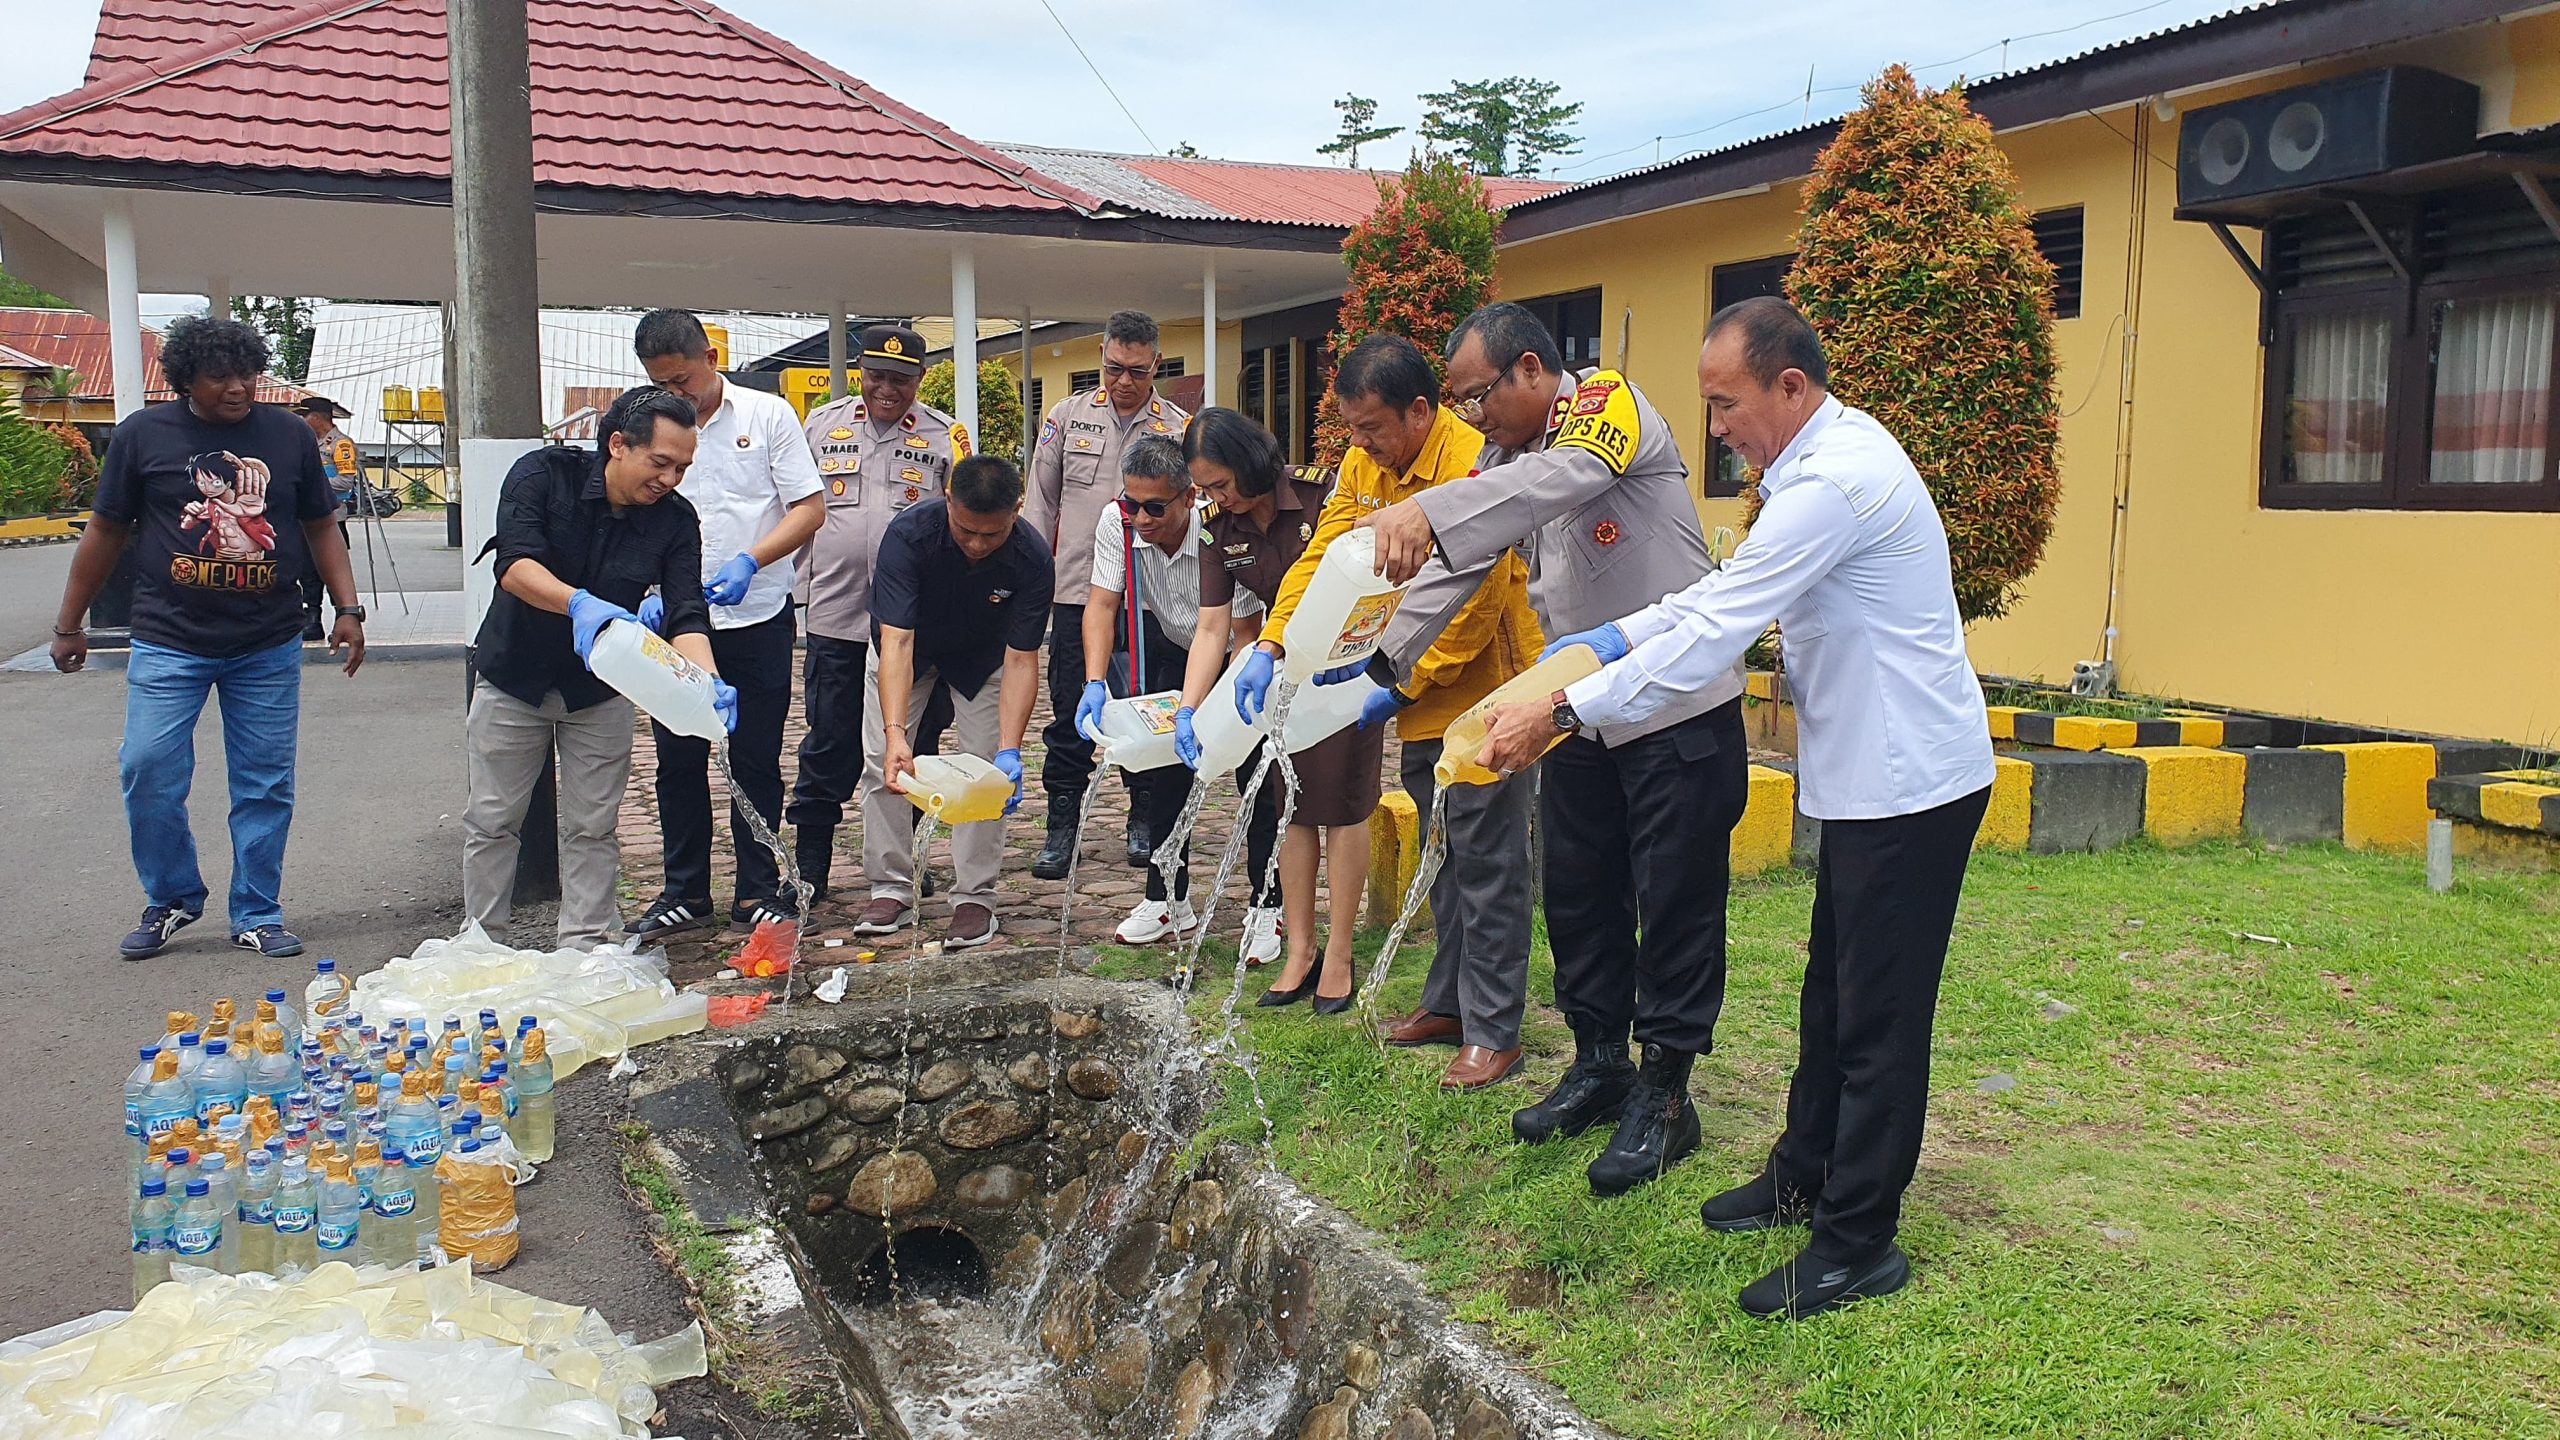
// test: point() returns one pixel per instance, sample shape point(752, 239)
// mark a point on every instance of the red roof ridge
point(142, 74)
point(915, 120)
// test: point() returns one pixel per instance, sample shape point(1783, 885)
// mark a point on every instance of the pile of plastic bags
point(416, 1355)
point(593, 1005)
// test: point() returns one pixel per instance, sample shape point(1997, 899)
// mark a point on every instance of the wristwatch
point(1566, 721)
point(356, 612)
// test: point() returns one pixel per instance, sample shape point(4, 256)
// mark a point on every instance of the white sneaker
point(1155, 920)
point(1261, 934)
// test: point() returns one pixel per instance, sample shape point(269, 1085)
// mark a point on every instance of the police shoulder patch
point(1602, 421)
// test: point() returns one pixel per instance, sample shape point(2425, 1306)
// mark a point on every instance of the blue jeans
point(261, 720)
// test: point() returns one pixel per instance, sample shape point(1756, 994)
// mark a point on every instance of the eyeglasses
point(1470, 408)
point(1129, 372)
point(1155, 509)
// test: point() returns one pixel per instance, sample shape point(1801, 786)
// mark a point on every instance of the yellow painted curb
point(2004, 720)
point(2387, 793)
point(2190, 792)
point(1395, 852)
point(2092, 732)
point(2012, 814)
point(38, 527)
point(2200, 730)
point(1765, 840)
point(2498, 845)
point(2514, 803)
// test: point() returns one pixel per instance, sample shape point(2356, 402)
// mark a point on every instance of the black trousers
point(831, 755)
point(1639, 850)
point(1884, 904)
point(757, 660)
point(1067, 768)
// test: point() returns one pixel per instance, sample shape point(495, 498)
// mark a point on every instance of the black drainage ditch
point(989, 1212)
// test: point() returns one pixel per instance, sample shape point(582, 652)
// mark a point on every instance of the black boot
point(1142, 840)
point(1592, 1090)
point(813, 848)
point(1060, 852)
point(1657, 1129)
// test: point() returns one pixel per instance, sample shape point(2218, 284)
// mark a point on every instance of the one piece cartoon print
point(233, 512)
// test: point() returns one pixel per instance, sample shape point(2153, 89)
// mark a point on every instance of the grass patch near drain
point(2276, 1162)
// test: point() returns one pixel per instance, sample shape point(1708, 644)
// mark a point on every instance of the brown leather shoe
point(1424, 1028)
point(885, 915)
point(972, 925)
point(1476, 1067)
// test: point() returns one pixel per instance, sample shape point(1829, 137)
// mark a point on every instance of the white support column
point(964, 339)
point(1209, 333)
point(124, 310)
point(838, 381)
point(1030, 422)
point(217, 299)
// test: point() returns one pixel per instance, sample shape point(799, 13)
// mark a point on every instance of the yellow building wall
point(1053, 362)
point(2433, 621)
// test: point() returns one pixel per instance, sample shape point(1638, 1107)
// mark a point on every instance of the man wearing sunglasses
point(1075, 472)
point(1582, 474)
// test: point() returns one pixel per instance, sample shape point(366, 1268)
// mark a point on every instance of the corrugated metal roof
point(1196, 189)
point(78, 340)
point(647, 95)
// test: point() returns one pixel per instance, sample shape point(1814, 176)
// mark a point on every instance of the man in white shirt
point(1849, 559)
point(1138, 632)
point(756, 488)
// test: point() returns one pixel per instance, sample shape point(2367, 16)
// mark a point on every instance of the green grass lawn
point(2300, 1185)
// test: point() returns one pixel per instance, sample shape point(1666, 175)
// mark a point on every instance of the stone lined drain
point(1068, 1263)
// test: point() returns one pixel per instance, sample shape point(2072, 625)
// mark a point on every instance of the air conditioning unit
point(2349, 128)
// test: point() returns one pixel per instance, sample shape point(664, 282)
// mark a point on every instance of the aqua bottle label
point(148, 1241)
point(294, 1219)
point(424, 1150)
point(257, 1212)
point(395, 1202)
point(198, 1239)
point(133, 1119)
point(335, 1235)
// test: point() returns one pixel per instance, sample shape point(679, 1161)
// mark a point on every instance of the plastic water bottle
point(137, 1083)
point(390, 1221)
point(273, 1071)
point(182, 1166)
point(537, 1109)
point(650, 674)
point(456, 1070)
point(222, 1191)
point(341, 1217)
point(153, 1245)
point(255, 1215)
point(166, 1099)
point(326, 995)
point(221, 1080)
point(413, 1123)
point(196, 1235)
point(190, 1058)
point(427, 1218)
point(368, 1169)
point(502, 1078)
point(297, 1220)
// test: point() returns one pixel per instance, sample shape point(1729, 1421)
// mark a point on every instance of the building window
point(1080, 381)
point(1169, 368)
point(1727, 284)
point(2058, 240)
point(1038, 405)
point(2429, 391)
point(1575, 322)
point(1267, 391)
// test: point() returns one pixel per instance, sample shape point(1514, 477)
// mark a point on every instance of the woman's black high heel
point(1335, 1005)
point(1276, 997)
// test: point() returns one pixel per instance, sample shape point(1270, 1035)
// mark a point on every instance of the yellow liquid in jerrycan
point(957, 789)
point(1465, 735)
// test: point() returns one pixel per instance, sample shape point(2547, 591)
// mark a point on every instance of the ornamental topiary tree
point(1917, 268)
point(1420, 262)
point(999, 427)
point(32, 462)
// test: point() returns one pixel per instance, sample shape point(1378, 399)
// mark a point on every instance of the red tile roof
point(78, 340)
point(667, 96)
point(1239, 190)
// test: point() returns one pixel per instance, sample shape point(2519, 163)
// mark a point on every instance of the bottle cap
point(218, 1047)
point(277, 995)
point(190, 1038)
point(150, 1053)
point(470, 1144)
point(155, 1187)
point(328, 967)
point(213, 1160)
point(180, 1155)
point(196, 1187)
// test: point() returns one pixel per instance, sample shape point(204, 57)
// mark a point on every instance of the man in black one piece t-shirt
point(226, 504)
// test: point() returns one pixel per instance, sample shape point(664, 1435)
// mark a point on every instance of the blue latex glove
point(587, 615)
point(653, 613)
point(1089, 709)
point(1379, 708)
point(1253, 686)
point(1186, 741)
point(1010, 762)
point(1342, 674)
point(730, 585)
point(724, 698)
point(1608, 642)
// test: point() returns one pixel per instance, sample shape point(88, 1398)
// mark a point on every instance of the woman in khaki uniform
point(1261, 523)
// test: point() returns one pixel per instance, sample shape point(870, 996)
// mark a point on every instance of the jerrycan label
point(294, 1219)
point(335, 1236)
point(198, 1239)
point(1362, 627)
point(1156, 713)
point(662, 653)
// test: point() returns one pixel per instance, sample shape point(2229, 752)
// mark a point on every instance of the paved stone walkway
point(1027, 910)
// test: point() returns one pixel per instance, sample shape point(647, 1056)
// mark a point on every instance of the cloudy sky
point(1255, 79)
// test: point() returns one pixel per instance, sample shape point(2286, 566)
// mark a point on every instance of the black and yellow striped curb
point(2527, 800)
point(2101, 732)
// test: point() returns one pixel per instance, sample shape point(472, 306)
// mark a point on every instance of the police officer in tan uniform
point(879, 452)
point(1075, 471)
point(1582, 474)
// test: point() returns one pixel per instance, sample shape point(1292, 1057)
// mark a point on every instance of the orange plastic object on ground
point(770, 950)
point(727, 1010)
point(478, 1215)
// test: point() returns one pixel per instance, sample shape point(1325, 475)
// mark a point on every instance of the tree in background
point(58, 386)
point(1501, 127)
point(999, 427)
point(1420, 262)
point(33, 462)
point(1359, 126)
point(1917, 268)
point(18, 294)
point(286, 321)
point(78, 488)
point(1184, 151)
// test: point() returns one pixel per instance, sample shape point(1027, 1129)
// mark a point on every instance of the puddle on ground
point(953, 1371)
